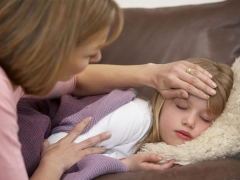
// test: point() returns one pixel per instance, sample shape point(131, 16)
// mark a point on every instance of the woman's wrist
point(150, 75)
point(48, 170)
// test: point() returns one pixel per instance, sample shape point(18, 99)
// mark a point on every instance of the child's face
point(184, 119)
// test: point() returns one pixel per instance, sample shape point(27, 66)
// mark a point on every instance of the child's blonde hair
point(38, 36)
point(222, 76)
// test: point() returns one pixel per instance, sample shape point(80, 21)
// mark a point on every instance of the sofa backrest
point(164, 35)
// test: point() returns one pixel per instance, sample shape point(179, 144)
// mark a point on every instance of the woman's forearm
point(171, 80)
point(97, 79)
point(46, 172)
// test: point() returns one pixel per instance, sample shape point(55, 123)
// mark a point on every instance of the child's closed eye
point(181, 107)
point(206, 120)
point(207, 117)
point(181, 104)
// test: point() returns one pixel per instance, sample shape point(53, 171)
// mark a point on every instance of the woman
point(45, 41)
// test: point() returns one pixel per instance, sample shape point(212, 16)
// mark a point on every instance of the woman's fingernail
point(159, 158)
point(88, 119)
point(206, 96)
point(108, 134)
point(214, 84)
point(213, 91)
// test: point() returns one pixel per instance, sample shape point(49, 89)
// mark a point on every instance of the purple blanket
point(37, 118)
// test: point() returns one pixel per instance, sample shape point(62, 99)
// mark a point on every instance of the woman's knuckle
point(193, 80)
point(174, 70)
point(195, 66)
point(169, 80)
point(194, 72)
point(91, 150)
point(182, 61)
point(77, 129)
point(189, 88)
point(90, 142)
point(100, 136)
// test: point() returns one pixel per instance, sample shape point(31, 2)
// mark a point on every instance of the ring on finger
point(189, 70)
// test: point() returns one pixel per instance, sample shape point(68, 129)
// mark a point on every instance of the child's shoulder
point(143, 105)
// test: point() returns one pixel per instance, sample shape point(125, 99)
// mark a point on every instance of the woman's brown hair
point(222, 75)
point(38, 36)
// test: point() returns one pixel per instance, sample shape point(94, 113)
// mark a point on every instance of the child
point(172, 110)
point(173, 121)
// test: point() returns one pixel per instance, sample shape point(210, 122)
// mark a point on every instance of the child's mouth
point(184, 135)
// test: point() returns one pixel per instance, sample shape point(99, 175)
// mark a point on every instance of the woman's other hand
point(65, 153)
point(146, 162)
point(178, 79)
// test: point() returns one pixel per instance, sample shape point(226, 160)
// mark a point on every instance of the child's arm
point(146, 162)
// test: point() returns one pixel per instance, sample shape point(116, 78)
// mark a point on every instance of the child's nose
point(189, 121)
